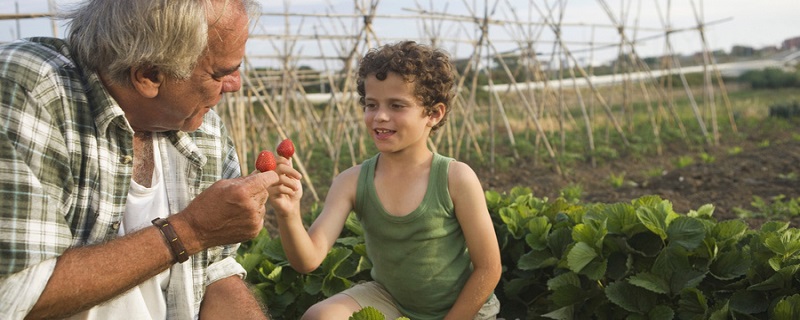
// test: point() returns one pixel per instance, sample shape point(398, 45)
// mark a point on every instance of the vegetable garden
point(658, 194)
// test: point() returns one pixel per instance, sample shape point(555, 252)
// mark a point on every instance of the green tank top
point(420, 258)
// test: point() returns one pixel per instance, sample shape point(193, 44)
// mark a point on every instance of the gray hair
point(114, 36)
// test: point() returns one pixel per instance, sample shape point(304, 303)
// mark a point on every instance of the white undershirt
point(147, 300)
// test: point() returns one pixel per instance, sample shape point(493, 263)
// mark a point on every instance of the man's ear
point(437, 115)
point(147, 80)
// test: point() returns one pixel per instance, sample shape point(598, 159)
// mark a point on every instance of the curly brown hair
point(428, 68)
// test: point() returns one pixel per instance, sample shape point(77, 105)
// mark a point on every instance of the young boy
point(428, 232)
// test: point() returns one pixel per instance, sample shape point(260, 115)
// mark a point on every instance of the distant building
point(791, 43)
point(743, 51)
point(767, 51)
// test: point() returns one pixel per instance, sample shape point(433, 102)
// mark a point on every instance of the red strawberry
point(266, 161)
point(286, 148)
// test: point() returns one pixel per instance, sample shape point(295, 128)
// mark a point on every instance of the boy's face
point(394, 116)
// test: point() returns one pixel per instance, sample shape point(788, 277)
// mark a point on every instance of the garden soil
point(761, 160)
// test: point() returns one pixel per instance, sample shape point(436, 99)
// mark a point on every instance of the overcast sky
point(731, 22)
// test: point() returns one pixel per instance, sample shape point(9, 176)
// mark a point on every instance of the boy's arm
point(470, 207)
point(305, 250)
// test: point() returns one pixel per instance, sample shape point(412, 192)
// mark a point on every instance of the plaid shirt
point(66, 154)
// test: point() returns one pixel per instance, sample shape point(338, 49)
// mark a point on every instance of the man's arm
point(230, 211)
point(86, 276)
point(230, 298)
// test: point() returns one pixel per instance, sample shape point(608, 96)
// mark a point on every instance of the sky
point(728, 22)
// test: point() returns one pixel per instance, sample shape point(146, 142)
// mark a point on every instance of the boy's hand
point(285, 195)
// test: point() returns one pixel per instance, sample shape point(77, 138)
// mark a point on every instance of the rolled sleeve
point(222, 269)
point(20, 291)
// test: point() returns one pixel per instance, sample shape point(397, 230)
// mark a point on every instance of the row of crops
point(565, 259)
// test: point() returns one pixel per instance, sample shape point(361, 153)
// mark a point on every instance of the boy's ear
point(146, 80)
point(437, 115)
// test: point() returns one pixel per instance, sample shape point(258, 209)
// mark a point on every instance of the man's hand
point(230, 211)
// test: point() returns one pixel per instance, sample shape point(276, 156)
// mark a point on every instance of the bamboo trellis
point(515, 108)
point(535, 78)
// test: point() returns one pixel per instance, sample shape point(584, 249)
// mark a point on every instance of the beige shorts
point(374, 295)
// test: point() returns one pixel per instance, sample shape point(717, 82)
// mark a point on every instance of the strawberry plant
point(640, 260)
point(568, 260)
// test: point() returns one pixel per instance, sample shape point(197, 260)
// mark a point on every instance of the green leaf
point(539, 229)
point(621, 218)
point(250, 261)
point(275, 274)
point(335, 258)
point(650, 282)
point(564, 279)
point(513, 221)
point(353, 225)
point(274, 250)
point(729, 231)
point(705, 211)
point(731, 264)
point(654, 220)
point(784, 244)
point(568, 295)
point(579, 256)
point(774, 226)
point(332, 285)
point(619, 264)
point(595, 270)
point(591, 232)
point(646, 243)
point(493, 199)
point(647, 201)
point(349, 241)
point(559, 241)
point(692, 304)
point(673, 265)
point(630, 297)
point(565, 313)
point(661, 312)
point(721, 314)
point(787, 308)
point(516, 286)
point(347, 268)
point(686, 232)
point(312, 284)
point(368, 313)
point(748, 302)
point(364, 264)
point(783, 278)
point(536, 259)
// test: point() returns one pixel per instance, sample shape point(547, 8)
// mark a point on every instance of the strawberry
point(266, 161)
point(286, 148)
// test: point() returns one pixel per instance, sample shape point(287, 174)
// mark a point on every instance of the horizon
point(727, 24)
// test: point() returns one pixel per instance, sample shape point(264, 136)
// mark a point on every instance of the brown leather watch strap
point(175, 244)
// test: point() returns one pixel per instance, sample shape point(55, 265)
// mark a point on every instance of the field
point(762, 160)
point(608, 249)
point(759, 160)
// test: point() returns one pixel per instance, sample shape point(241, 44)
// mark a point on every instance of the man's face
point(181, 104)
